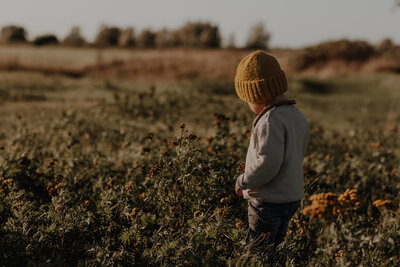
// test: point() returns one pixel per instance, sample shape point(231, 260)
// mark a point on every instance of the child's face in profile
point(256, 107)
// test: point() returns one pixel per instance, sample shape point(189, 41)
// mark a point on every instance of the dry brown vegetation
point(326, 59)
point(156, 65)
point(344, 56)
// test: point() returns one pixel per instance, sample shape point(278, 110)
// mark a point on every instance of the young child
point(273, 178)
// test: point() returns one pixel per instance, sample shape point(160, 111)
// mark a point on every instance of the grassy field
point(102, 171)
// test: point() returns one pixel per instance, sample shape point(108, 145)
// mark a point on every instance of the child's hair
point(259, 78)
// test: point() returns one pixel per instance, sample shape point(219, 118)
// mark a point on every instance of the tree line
point(190, 35)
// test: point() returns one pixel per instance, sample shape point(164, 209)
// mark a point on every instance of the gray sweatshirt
point(274, 161)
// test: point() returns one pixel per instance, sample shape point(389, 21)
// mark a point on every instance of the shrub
point(108, 36)
point(385, 45)
point(146, 39)
point(13, 34)
point(344, 50)
point(258, 37)
point(47, 39)
point(200, 34)
point(127, 38)
point(74, 38)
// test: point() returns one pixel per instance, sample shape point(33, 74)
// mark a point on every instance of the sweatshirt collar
point(271, 106)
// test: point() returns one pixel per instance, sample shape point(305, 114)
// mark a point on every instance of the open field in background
point(327, 59)
point(99, 169)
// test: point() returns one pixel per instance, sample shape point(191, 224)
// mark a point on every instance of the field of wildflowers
point(96, 172)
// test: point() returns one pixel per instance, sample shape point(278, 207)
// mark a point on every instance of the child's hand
point(238, 191)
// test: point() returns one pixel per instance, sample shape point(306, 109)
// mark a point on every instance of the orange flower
point(59, 208)
point(173, 209)
point(265, 235)
point(339, 255)
point(239, 225)
point(241, 166)
point(163, 152)
point(155, 171)
point(328, 205)
point(221, 212)
point(85, 204)
point(134, 212)
point(209, 140)
point(380, 203)
point(130, 185)
point(8, 181)
point(300, 225)
point(144, 150)
point(246, 132)
point(196, 213)
point(225, 200)
point(58, 185)
point(376, 145)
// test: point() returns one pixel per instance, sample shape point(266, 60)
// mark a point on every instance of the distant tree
point(127, 38)
point(167, 38)
point(74, 38)
point(200, 34)
point(385, 45)
point(258, 37)
point(231, 43)
point(46, 39)
point(146, 39)
point(108, 36)
point(13, 34)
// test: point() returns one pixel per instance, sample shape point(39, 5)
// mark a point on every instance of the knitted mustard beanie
point(259, 78)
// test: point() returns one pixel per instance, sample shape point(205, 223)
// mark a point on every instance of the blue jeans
point(269, 221)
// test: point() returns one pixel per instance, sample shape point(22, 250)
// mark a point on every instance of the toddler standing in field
point(273, 178)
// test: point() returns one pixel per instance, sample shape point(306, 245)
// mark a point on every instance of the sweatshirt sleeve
point(268, 156)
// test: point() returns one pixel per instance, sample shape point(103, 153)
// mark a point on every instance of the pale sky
point(293, 23)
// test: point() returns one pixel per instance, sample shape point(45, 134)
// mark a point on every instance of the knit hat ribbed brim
point(259, 78)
